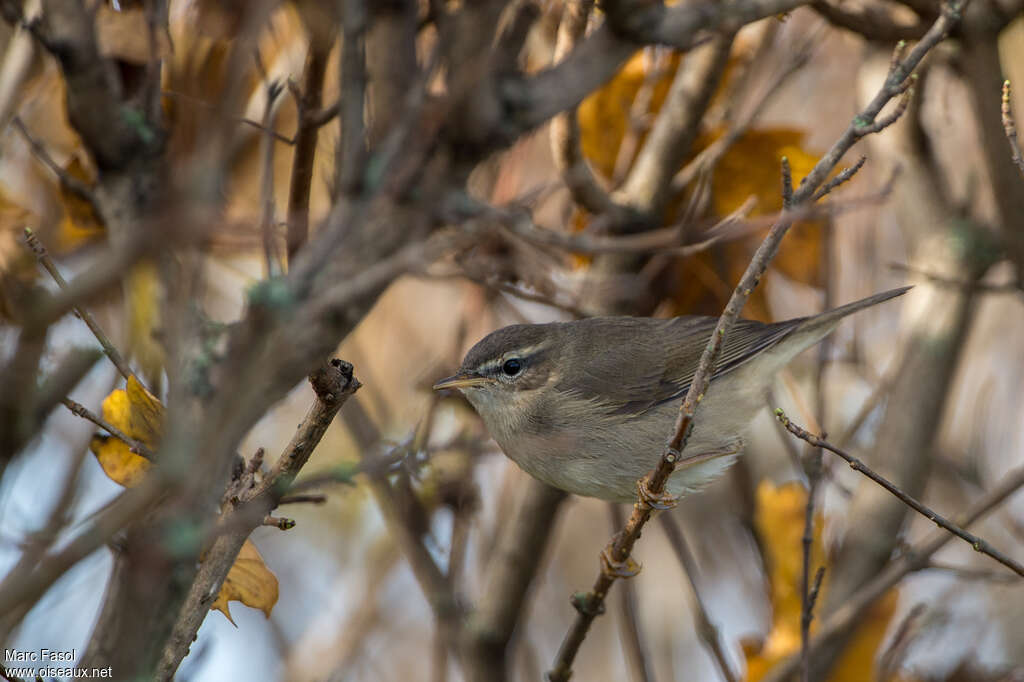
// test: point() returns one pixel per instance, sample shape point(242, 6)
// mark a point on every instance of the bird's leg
point(656, 501)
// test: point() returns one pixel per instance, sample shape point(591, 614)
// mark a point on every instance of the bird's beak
point(461, 380)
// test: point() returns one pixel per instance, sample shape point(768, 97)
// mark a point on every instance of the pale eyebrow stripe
point(525, 354)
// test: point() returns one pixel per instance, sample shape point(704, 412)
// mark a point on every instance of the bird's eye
point(512, 367)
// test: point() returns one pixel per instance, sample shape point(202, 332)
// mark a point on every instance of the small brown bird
point(587, 406)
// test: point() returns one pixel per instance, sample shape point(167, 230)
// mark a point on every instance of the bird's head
point(507, 367)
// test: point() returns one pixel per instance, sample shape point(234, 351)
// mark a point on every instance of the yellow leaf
point(135, 411)
point(604, 115)
point(780, 524)
point(119, 463)
point(143, 303)
point(80, 223)
point(751, 167)
point(250, 582)
point(139, 414)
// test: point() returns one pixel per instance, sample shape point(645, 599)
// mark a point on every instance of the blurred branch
point(981, 65)
point(584, 187)
point(978, 544)
point(637, 656)
point(616, 557)
point(184, 96)
point(957, 283)
point(29, 585)
point(843, 619)
point(67, 181)
point(272, 265)
point(513, 564)
point(708, 157)
point(647, 187)
point(135, 446)
point(870, 20)
point(308, 102)
point(596, 59)
point(351, 151)
point(108, 348)
point(333, 384)
point(706, 629)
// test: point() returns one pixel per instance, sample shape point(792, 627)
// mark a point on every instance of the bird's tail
point(828, 319)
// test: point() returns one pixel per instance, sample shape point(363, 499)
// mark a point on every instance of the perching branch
point(652, 487)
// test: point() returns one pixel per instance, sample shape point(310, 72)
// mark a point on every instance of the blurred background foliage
point(348, 607)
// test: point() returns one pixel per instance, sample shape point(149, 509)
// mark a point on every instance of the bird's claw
point(617, 569)
point(657, 501)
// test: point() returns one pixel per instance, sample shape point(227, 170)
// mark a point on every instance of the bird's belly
point(607, 463)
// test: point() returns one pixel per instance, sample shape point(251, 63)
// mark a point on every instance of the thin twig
point(279, 522)
point(67, 181)
point(974, 541)
point(839, 179)
point(916, 558)
point(284, 139)
point(980, 287)
point(108, 348)
point(810, 599)
point(136, 446)
point(807, 595)
point(706, 629)
point(271, 262)
point(637, 655)
point(1010, 127)
point(584, 187)
point(887, 661)
point(307, 102)
point(351, 151)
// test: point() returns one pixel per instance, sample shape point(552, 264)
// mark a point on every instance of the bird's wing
point(671, 349)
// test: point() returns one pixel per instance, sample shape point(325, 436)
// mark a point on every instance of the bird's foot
point(656, 501)
point(613, 569)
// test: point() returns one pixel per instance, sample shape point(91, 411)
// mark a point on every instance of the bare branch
point(351, 152)
point(641, 669)
point(308, 103)
point(135, 446)
point(917, 557)
point(565, 129)
point(250, 506)
point(617, 555)
point(108, 348)
point(706, 629)
point(978, 544)
point(870, 21)
point(67, 181)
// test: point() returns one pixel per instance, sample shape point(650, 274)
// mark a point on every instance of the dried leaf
point(80, 223)
point(780, 524)
point(751, 167)
point(144, 320)
point(119, 463)
point(604, 115)
point(139, 414)
point(250, 582)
